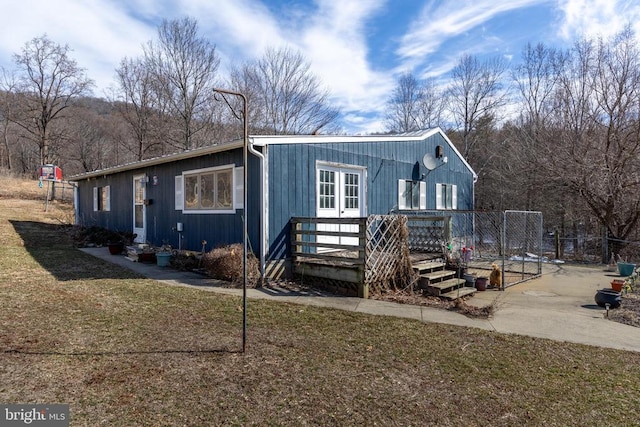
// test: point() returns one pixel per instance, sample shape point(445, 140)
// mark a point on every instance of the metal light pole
point(245, 129)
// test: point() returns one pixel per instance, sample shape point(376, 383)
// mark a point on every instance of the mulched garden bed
point(629, 311)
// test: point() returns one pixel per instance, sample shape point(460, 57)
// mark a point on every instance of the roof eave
point(159, 160)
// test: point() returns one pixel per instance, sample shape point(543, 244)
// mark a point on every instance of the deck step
point(445, 286)
point(459, 293)
point(437, 276)
point(424, 266)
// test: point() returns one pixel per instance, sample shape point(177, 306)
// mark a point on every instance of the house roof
point(188, 154)
point(264, 140)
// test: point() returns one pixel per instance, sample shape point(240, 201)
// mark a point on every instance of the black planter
point(608, 296)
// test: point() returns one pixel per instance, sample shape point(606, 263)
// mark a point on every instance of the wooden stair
point(437, 281)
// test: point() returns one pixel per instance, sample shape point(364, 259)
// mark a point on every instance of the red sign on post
point(50, 173)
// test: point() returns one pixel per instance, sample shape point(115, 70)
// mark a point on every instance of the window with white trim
point(446, 196)
point(412, 195)
point(102, 198)
point(351, 193)
point(327, 189)
point(213, 190)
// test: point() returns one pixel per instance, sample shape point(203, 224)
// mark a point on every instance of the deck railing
point(371, 253)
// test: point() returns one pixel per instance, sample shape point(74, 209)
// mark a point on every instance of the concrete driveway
point(560, 306)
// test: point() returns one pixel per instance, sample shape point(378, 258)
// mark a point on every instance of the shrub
point(225, 263)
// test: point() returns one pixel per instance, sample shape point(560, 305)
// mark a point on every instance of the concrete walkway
point(559, 305)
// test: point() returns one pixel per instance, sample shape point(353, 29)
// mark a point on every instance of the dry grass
point(19, 188)
point(126, 351)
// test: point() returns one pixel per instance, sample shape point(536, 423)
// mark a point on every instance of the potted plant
point(608, 298)
point(617, 285)
point(481, 283)
point(115, 248)
point(163, 256)
point(147, 255)
point(625, 268)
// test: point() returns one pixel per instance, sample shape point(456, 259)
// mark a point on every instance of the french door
point(339, 194)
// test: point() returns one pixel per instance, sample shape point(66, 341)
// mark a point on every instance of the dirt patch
point(459, 306)
point(399, 296)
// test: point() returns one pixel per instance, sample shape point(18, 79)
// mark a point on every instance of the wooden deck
point(380, 257)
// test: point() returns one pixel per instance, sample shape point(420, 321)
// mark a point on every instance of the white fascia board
point(455, 150)
point(262, 140)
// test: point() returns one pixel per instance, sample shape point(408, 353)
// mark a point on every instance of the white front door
point(139, 209)
point(339, 194)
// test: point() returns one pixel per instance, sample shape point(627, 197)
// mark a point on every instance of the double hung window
point(446, 196)
point(412, 195)
point(102, 198)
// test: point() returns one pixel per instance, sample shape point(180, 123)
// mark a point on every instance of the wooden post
point(46, 200)
point(363, 290)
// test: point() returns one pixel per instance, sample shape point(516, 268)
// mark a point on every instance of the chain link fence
point(588, 248)
point(512, 240)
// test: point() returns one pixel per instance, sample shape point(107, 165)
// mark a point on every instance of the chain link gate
point(522, 246)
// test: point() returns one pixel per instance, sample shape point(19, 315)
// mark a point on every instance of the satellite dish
point(429, 161)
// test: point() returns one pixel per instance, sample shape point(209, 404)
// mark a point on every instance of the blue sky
point(357, 48)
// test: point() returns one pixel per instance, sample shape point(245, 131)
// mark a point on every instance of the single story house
point(193, 196)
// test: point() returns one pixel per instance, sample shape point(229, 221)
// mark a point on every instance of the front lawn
point(122, 350)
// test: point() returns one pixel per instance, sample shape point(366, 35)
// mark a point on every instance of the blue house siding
point(162, 217)
point(290, 175)
point(292, 178)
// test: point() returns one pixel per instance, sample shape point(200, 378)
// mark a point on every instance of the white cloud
point(98, 40)
point(440, 22)
point(334, 40)
point(593, 18)
point(241, 28)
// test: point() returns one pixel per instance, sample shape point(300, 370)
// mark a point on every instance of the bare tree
point(47, 81)
point(284, 96)
point(580, 127)
point(414, 105)
point(475, 96)
point(604, 141)
point(6, 105)
point(537, 79)
point(89, 137)
point(184, 66)
point(137, 103)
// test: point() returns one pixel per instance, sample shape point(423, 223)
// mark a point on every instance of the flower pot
point(626, 268)
point(148, 257)
point(163, 258)
point(617, 284)
point(481, 283)
point(470, 280)
point(115, 248)
point(608, 296)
